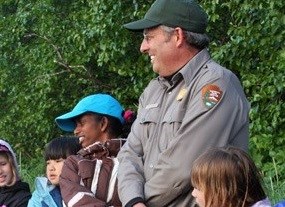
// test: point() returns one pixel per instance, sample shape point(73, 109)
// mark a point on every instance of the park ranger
point(192, 105)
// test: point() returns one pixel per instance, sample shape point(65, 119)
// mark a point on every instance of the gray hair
point(197, 40)
point(167, 30)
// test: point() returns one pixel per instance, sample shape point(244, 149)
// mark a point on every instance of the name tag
point(150, 106)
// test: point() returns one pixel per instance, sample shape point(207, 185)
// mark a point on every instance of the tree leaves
point(54, 52)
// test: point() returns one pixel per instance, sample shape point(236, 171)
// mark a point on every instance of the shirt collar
point(188, 71)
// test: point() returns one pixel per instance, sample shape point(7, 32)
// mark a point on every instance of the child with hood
point(13, 191)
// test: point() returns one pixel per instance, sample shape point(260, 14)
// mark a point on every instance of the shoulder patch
point(211, 95)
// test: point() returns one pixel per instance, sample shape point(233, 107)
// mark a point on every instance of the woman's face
point(199, 196)
point(89, 130)
point(6, 172)
point(53, 170)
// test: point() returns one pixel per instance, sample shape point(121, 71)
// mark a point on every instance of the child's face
point(53, 170)
point(6, 172)
point(199, 196)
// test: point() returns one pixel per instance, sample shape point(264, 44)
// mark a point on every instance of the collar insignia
point(181, 94)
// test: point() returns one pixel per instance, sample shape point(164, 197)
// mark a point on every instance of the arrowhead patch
point(211, 95)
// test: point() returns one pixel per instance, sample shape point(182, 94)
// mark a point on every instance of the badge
point(181, 94)
point(211, 95)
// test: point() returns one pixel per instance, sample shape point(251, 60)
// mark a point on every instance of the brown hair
point(228, 177)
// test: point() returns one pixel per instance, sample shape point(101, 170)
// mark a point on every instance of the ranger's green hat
point(186, 14)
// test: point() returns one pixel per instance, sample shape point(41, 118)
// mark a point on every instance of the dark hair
point(116, 128)
point(129, 117)
point(61, 147)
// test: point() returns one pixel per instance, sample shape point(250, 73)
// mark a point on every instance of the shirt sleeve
point(130, 175)
point(34, 200)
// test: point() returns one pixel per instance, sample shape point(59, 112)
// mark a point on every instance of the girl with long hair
point(227, 177)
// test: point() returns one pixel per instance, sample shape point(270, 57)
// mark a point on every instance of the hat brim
point(140, 25)
point(66, 121)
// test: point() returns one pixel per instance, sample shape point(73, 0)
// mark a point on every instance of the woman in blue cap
point(89, 178)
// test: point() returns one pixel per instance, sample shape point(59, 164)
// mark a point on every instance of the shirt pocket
point(174, 115)
point(171, 124)
point(149, 116)
point(149, 120)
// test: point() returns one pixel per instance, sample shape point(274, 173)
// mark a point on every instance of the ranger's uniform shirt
point(202, 106)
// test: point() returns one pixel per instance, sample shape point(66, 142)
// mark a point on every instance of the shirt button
point(151, 165)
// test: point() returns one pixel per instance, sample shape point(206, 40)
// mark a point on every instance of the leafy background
point(54, 52)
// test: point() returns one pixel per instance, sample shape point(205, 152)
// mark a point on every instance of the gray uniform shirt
point(202, 106)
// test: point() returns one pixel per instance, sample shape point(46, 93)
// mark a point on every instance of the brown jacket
point(90, 178)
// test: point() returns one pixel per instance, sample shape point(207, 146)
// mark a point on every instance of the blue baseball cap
point(97, 103)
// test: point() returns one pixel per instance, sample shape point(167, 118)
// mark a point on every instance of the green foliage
point(54, 52)
point(249, 40)
point(274, 185)
point(29, 171)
